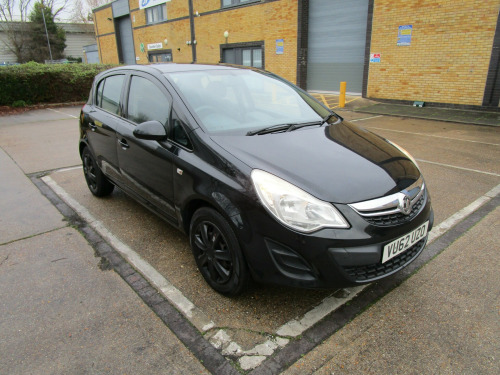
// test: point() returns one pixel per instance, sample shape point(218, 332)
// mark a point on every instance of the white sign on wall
point(155, 46)
point(150, 3)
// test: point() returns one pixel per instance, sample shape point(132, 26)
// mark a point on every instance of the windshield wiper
point(298, 126)
point(270, 129)
point(283, 127)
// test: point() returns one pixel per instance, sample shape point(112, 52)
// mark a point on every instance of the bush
point(19, 104)
point(39, 83)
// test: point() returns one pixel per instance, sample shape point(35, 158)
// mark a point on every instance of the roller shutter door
point(126, 40)
point(336, 44)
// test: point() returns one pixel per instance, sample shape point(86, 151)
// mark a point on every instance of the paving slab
point(41, 146)
point(443, 320)
point(40, 115)
point(61, 314)
point(24, 211)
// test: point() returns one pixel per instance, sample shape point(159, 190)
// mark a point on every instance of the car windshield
point(231, 101)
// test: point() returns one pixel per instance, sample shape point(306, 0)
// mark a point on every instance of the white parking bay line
point(197, 317)
point(295, 327)
point(366, 118)
point(457, 167)
point(454, 219)
point(434, 136)
point(64, 113)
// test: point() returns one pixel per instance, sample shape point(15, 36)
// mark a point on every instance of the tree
point(38, 46)
point(82, 11)
point(56, 6)
point(13, 17)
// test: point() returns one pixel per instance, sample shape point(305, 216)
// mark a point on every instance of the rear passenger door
point(146, 166)
point(104, 117)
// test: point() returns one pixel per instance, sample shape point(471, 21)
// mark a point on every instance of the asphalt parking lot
point(462, 171)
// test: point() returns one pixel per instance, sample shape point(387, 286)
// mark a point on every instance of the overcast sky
point(63, 16)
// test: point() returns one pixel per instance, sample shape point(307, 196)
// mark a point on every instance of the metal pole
point(46, 32)
point(193, 36)
point(342, 94)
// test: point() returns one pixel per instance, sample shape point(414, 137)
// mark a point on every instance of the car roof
point(162, 68)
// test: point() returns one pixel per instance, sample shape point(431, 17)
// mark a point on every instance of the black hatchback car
point(267, 182)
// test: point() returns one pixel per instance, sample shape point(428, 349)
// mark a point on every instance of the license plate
point(402, 244)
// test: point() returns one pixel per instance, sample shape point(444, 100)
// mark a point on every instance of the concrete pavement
point(62, 312)
point(443, 320)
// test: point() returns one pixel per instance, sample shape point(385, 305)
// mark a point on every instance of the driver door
point(147, 166)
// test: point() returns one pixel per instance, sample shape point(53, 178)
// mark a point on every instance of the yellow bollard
point(342, 94)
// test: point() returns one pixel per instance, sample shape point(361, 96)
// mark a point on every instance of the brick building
point(441, 52)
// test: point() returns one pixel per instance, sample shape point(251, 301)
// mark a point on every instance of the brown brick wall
point(108, 49)
point(176, 33)
point(449, 55)
point(104, 25)
point(108, 52)
point(265, 21)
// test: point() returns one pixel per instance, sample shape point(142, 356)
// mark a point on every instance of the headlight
point(293, 206)
point(407, 154)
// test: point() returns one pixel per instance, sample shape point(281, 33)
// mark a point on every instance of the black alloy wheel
point(98, 184)
point(217, 252)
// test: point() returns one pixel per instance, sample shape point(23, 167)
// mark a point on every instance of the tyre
point(217, 252)
point(96, 181)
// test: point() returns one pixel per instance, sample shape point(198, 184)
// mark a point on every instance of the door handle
point(92, 126)
point(123, 143)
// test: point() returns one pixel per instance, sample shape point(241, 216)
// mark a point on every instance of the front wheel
point(217, 252)
point(96, 181)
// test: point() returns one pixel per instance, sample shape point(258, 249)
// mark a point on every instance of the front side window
point(239, 101)
point(156, 14)
point(147, 102)
point(109, 92)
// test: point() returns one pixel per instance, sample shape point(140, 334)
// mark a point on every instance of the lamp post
point(46, 32)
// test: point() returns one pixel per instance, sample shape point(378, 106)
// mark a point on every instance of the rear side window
point(147, 102)
point(109, 92)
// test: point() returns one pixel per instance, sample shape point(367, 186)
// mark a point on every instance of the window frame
point(153, 80)
point(159, 52)
point(237, 3)
point(245, 45)
point(150, 10)
point(120, 103)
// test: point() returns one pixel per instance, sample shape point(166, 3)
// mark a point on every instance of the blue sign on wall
point(280, 46)
point(404, 35)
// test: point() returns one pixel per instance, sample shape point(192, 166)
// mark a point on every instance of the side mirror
point(151, 131)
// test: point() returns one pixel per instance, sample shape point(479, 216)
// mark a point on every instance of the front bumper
point(330, 257)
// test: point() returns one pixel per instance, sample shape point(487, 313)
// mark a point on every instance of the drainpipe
point(193, 36)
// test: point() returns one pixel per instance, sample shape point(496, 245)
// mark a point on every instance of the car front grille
point(377, 270)
point(395, 209)
point(397, 218)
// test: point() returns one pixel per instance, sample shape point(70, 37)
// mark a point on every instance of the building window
point(251, 55)
point(159, 57)
point(156, 14)
point(230, 3)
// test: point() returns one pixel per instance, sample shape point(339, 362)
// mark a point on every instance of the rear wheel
point(96, 181)
point(217, 252)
